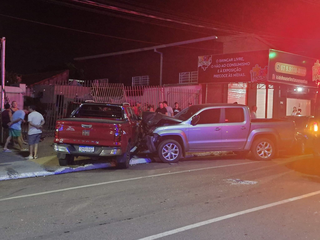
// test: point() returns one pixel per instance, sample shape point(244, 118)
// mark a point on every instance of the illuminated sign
point(290, 69)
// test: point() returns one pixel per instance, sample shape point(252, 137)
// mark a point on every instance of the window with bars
point(140, 80)
point(188, 77)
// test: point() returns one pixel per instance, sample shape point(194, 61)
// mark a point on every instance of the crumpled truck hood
point(152, 119)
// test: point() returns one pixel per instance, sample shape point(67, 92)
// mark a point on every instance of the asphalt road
point(203, 198)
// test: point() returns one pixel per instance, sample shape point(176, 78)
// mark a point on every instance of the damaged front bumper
point(151, 141)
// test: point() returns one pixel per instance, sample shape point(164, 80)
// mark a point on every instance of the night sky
point(43, 35)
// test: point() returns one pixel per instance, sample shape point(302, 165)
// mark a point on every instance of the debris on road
point(240, 182)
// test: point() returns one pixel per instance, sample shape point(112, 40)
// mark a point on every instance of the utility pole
point(3, 70)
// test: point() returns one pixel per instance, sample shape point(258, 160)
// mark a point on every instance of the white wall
point(15, 94)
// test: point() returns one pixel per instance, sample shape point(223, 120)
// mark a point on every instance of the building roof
point(36, 78)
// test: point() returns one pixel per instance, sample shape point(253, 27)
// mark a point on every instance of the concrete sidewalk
point(14, 165)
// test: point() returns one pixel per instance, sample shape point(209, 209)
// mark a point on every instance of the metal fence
point(57, 100)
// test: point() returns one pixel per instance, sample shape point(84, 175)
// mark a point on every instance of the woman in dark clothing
point(5, 119)
point(5, 116)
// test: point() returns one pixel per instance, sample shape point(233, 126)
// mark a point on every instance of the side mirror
point(195, 120)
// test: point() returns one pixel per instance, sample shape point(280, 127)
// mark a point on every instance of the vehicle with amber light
point(313, 134)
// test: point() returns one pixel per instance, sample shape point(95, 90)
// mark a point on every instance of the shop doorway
point(303, 106)
point(261, 100)
point(237, 93)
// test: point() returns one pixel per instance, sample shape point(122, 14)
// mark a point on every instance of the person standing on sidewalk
point(13, 109)
point(169, 109)
point(253, 112)
point(36, 121)
point(15, 129)
point(5, 119)
point(162, 109)
point(176, 109)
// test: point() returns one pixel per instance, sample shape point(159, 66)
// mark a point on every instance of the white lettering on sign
point(230, 67)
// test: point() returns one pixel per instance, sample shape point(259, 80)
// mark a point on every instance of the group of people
point(296, 112)
point(163, 108)
point(12, 119)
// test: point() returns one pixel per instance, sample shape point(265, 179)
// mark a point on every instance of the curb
point(63, 170)
point(57, 170)
point(26, 175)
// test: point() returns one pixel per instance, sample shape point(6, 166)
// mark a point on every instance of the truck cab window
point(233, 115)
point(209, 116)
point(99, 111)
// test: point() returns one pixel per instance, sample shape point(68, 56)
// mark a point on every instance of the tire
point(241, 154)
point(263, 149)
point(169, 151)
point(123, 161)
point(67, 160)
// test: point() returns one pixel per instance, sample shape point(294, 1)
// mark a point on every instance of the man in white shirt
point(169, 109)
point(253, 112)
point(36, 121)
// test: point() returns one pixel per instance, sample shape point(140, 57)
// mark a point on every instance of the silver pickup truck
point(216, 127)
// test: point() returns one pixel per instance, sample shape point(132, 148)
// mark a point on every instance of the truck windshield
point(99, 111)
point(187, 112)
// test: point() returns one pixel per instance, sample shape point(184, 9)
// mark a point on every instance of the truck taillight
point(56, 132)
point(117, 135)
point(315, 127)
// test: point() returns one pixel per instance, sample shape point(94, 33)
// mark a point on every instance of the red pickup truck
point(97, 130)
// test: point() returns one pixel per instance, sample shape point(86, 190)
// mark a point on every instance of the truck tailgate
point(84, 131)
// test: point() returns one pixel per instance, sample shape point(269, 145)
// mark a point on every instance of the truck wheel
point(263, 149)
point(169, 151)
point(123, 161)
point(67, 160)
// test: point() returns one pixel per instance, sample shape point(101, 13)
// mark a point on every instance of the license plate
point(86, 149)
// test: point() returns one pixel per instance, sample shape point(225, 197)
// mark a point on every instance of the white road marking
point(121, 180)
point(232, 215)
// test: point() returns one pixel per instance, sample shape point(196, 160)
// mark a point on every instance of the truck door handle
point(218, 129)
point(243, 128)
point(86, 125)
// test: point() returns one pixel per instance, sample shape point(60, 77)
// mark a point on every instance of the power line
point(152, 16)
point(77, 30)
point(88, 9)
point(202, 25)
point(97, 34)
